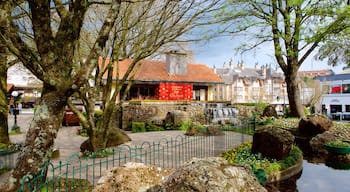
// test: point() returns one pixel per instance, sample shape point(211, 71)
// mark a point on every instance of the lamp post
point(15, 95)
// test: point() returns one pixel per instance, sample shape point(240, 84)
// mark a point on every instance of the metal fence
point(73, 174)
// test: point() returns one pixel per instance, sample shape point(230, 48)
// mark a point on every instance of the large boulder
point(176, 118)
point(211, 174)
point(269, 111)
point(317, 143)
point(272, 142)
point(197, 130)
point(131, 177)
point(313, 125)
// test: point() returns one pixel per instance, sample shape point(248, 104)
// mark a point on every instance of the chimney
point(214, 69)
point(269, 72)
point(241, 65)
point(231, 64)
point(263, 70)
point(256, 66)
point(176, 62)
point(224, 65)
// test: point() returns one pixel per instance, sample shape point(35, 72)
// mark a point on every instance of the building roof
point(337, 77)
point(316, 73)
point(155, 71)
point(230, 74)
point(9, 87)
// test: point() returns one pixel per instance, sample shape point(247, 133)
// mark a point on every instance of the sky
point(220, 50)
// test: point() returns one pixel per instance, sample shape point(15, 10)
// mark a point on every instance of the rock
point(176, 118)
point(270, 111)
point(196, 130)
point(317, 143)
point(211, 174)
point(86, 146)
point(131, 177)
point(55, 153)
point(116, 137)
point(214, 130)
point(272, 142)
point(313, 125)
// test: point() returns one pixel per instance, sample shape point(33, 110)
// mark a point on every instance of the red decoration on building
point(174, 91)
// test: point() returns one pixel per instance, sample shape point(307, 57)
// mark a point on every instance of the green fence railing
point(77, 173)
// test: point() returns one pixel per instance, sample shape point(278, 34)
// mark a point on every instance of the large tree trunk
point(41, 134)
point(296, 107)
point(4, 136)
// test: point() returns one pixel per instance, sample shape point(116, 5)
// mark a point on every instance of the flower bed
point(274, 170)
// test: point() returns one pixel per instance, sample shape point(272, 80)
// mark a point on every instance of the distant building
point(23, 81)
point(335, 100)
point(247, 85)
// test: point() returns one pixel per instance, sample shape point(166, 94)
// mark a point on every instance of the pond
point(314, 178)
point(319, 177)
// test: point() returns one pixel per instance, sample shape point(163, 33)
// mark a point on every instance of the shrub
point(169, 126)
point(151, 127)
point(184, 126)
point(3, 146)
point(286, 111)
point(138, 127)
point(264, 121)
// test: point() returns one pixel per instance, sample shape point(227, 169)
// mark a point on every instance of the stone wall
point(143, 111)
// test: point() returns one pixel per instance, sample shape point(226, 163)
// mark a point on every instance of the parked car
point(28, 104)
point(69, 118)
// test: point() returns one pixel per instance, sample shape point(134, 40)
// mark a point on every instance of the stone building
point(249, 85)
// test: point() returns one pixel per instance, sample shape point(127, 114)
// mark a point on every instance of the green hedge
point(138, 127)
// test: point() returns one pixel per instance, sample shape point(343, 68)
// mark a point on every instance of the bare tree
point(46, 37)
point(296, 29)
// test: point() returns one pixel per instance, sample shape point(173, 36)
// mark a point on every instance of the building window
point(347, 108)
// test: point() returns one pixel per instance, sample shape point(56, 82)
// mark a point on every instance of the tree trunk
point(40, 137)
point(296, 107)
point(4, 136)
point(108, 133)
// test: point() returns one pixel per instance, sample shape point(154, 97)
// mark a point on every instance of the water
point(315, 178)
point(319, 177)
point(219, 113)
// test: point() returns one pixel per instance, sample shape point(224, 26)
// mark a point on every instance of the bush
point(184, 126)
point(151, 127)
point(286, 111)
point(138, 127)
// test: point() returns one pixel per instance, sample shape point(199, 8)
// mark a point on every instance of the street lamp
point(15, 95)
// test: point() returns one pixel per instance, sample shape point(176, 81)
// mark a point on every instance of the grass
point(338, 144)
point(15, 132)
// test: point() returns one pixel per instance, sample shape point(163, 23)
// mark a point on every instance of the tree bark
point(4, 136)
point(293, 90)
point(40, 138)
